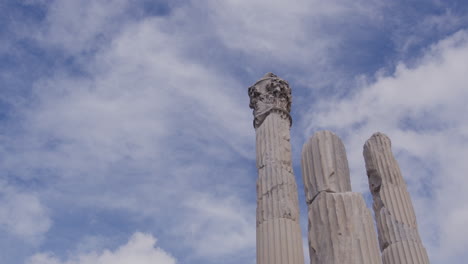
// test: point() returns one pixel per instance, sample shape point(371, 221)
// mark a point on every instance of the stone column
point(278, 232)
point(341, 230)
point(396, 221)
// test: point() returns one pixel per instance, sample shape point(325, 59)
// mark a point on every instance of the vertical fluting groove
point(396, 220)
point(278, 238)
point(307, 169)
point(276, 241)
point(340, 225)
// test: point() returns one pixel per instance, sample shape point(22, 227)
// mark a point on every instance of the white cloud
point(441, 23)
point(291, 31)
point(141, 249)
point(80, 26)
point(421, 108)
point(136, 94)
point(22, 214)
point(142, 125)
point(300, 37)
point(269, 26)
point(218, 227)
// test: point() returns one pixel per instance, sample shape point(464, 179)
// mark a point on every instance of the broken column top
point(324, 165)
point(267, 94)
point(396, 220)
point(376, 136)
point(379, 146)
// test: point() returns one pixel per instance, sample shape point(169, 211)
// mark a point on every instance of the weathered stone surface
point(279, 241)
point(405, 252)
point(278, 230)
point(324, 165)
point(276, 194)
point(268, 93)
point(341, 229)
point(396, 221)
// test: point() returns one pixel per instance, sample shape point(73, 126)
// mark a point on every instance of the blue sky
point(126, 136)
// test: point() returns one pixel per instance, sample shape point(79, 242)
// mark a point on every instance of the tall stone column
point(341, 229)
point(396, 221)
point(278, 231)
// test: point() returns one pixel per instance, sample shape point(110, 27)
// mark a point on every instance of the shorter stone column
point(341, 229)
point(396, 221)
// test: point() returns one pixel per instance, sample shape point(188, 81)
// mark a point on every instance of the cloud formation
point(141, 248)
point(128, 130)
point(119, 115)
point(22, 214)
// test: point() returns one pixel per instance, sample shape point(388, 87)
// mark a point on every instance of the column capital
point(267, 94)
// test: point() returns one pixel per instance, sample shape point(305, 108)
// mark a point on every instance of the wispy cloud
point(139, 249)
point(22, 214)
point(139, 110)
point(135, 130)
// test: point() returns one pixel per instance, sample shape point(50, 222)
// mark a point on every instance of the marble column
point(396, 221)
point(278, 232)
point(341, 229)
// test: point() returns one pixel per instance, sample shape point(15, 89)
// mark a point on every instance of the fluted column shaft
point(341, 230)
point(396, 221)
point(278, 231)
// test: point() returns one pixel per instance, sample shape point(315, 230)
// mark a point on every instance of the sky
point(126, 136)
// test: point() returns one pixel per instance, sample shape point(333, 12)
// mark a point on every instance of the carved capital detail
point(267, 94)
